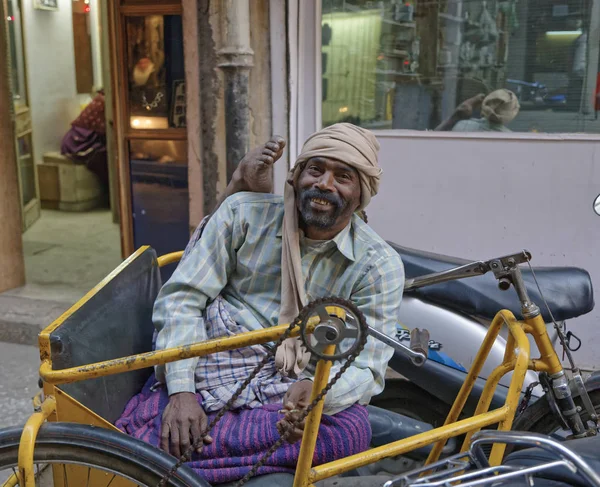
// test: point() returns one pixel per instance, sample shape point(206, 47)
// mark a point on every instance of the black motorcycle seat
point(568, 290)
point(587, 448)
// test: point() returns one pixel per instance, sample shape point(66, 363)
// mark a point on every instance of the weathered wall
point(260, 74)
point(211, 116)
point(49, 53)
point(207, 137)
point(480, 198)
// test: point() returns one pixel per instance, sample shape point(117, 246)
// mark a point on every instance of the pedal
point(419, 341)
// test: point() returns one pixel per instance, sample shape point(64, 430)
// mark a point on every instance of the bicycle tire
point(538, 417)
point(101, 449)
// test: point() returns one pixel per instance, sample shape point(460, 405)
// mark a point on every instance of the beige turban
point(500, 106)
point(351, 145)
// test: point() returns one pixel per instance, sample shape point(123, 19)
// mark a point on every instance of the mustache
point(316, 193)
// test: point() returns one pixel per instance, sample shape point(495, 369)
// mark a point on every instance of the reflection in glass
point(158, 151)
point(160, 198)
point(410, 64)
point(17, 68)
point(156, 72)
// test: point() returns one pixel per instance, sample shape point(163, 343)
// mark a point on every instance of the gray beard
point(312, 219)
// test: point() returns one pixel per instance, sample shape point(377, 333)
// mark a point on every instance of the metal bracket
point(547, 385)
point(585, 397)
point(502, 267)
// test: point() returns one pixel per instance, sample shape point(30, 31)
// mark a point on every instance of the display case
point(151, 125)
point(28, 184)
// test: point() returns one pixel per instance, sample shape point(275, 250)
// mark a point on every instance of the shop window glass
point(409, 64)
point(156, 72)
point(160, 197)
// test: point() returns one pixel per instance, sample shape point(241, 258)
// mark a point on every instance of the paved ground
point(18, 382)
point(69, 253)
point(66, 254)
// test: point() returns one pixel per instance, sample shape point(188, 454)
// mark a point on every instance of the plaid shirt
point(239, 259)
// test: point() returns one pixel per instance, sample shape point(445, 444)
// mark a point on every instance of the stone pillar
point(12, 266)
point(236, 60)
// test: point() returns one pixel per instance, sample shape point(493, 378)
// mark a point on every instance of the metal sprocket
point(332, 329)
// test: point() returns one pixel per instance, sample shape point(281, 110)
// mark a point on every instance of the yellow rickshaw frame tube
point(517, 353)
point(27, 443)
point(399, 447)
point(171, 258)
point(313, 421)
point(11, 481)
point(159, 357)
point(516, 358)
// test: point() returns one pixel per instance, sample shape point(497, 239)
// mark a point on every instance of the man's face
point(327, 194)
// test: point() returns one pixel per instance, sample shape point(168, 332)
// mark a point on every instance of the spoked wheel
point(76, 455)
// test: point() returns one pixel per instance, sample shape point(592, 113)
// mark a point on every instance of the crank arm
point(468, 270)
point(418, 358)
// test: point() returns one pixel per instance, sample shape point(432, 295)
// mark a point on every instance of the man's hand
point(465, 110)
point(183, 423)
point(255, 171)
point(298, 395)
point(296, 399)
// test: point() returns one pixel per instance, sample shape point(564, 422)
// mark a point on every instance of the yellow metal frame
point(516, 360)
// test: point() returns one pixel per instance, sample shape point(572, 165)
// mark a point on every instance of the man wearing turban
point(260, 259)
point(498, 109)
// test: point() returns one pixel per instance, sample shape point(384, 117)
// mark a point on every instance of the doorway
point(71, 235)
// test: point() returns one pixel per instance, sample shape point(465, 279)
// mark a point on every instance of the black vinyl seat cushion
point(568, 290)
point(587, 448)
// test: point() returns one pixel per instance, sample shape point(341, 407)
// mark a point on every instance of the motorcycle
point(457, 315)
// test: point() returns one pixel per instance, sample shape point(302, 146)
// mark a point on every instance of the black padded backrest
point(113, 323)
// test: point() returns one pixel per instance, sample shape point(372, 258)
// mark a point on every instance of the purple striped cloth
point(242, 436)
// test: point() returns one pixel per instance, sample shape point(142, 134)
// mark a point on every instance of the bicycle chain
point(301, 319)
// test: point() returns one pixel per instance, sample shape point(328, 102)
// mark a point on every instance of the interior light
point(343, 109)
point(87, 9)
point(564, 32)
point(10, 18)
point(139, 122)
point(86, 2)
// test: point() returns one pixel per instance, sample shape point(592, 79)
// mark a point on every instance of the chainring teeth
point(312, 308)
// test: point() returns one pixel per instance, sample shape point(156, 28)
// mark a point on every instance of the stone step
point(22, 318)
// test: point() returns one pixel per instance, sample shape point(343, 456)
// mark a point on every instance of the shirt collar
point(343, 240)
